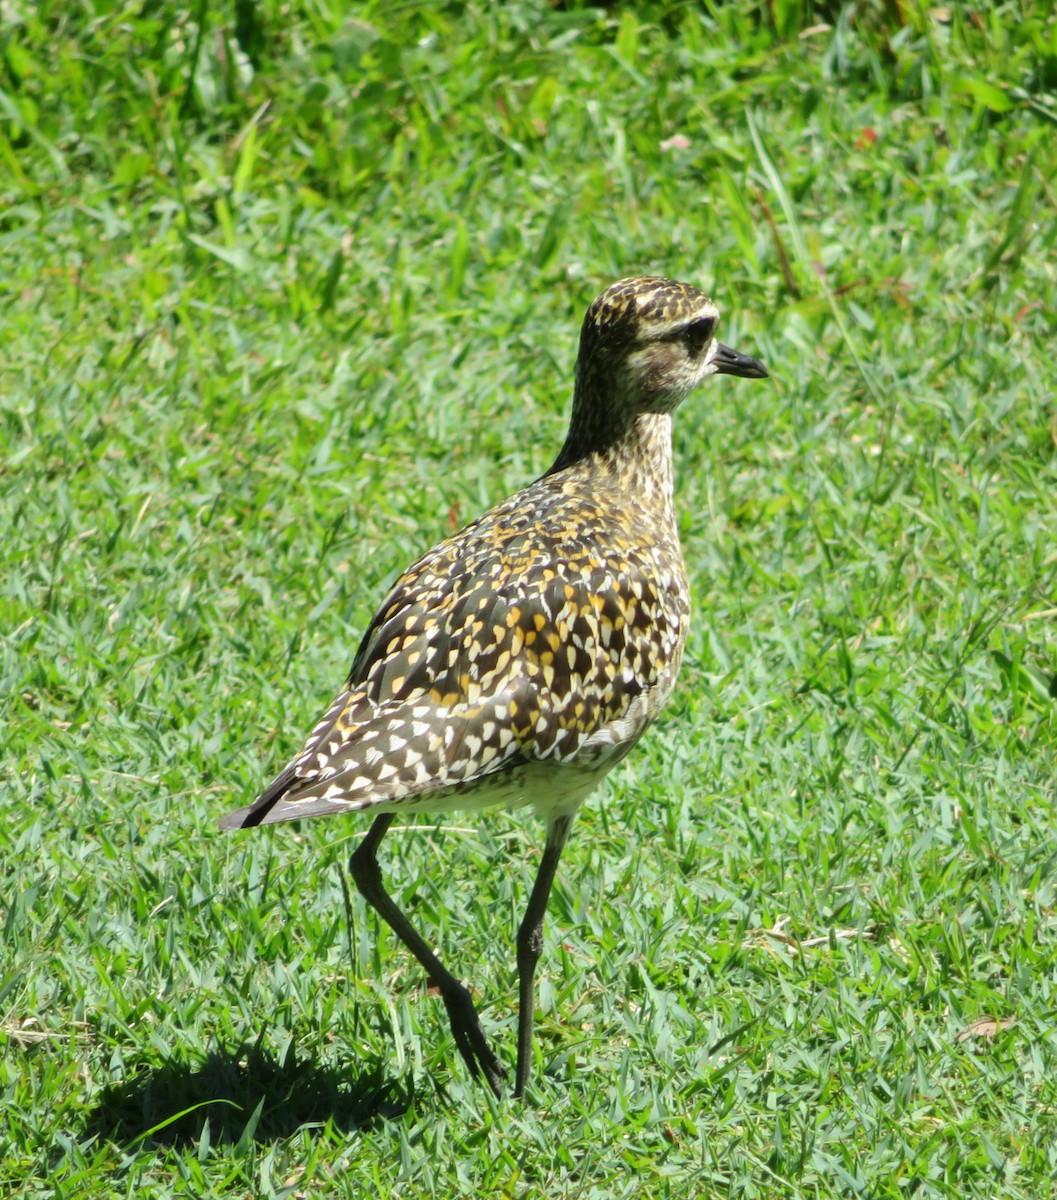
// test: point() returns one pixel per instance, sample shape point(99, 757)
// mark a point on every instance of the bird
point(520, 659)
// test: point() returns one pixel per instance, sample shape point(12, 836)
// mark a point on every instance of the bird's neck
point(636, 460)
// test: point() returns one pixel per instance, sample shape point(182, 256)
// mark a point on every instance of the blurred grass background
point(289, 291)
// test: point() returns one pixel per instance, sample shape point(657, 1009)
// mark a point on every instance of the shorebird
point(518, 661)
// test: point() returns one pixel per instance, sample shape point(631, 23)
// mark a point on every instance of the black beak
point(730, 362)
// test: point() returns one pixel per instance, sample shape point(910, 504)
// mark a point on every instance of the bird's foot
point(470, 1038)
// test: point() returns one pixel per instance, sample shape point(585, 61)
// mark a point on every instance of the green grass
point(285, 296)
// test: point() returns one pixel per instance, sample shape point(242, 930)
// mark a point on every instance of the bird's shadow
point(245, 1094)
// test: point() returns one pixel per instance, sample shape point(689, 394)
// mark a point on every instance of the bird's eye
point(696, 334)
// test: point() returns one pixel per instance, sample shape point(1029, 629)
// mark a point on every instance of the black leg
point(465, 1025)
point(530, 946)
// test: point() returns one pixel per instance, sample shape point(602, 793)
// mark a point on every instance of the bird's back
point(521, 657)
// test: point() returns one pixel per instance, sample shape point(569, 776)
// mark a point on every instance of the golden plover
point(519, 660)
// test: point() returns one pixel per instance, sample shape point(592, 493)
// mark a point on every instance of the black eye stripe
point(696, 333)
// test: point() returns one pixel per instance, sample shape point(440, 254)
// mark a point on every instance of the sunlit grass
point(288, 296)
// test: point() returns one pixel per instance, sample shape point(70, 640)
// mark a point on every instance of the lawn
point(290, 291)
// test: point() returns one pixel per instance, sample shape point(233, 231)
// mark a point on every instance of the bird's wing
point(397, 751)
point(474, 666)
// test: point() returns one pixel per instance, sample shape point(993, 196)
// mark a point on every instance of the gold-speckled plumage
point(517, 661)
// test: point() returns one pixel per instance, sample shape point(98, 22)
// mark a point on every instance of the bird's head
point(647, 342)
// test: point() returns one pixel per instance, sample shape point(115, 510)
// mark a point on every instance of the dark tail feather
point(255, 813)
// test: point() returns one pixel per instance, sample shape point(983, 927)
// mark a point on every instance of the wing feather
point(484, 656)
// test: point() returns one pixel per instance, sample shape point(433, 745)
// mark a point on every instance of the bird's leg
point(465, 1025)
point(530, 946)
